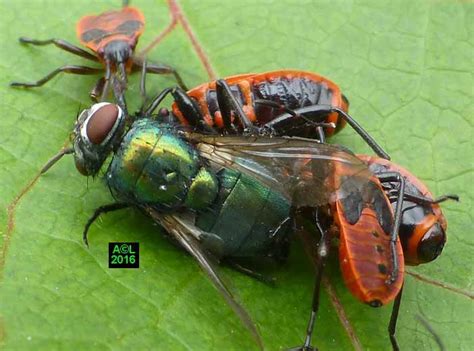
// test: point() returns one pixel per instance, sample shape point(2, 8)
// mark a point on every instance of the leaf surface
point(406, 68)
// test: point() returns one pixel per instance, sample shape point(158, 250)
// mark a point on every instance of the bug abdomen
point(293, 92)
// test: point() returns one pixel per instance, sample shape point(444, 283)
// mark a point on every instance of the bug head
point(118, 53)
point(97, 131)
point(423, 225)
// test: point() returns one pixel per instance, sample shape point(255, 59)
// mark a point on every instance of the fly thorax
point(153, 166)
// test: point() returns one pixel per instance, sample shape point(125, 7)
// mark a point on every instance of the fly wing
point(304, 171)
point(188, 236)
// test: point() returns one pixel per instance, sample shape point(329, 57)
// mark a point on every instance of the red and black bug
point(112, 37)
point(264, 96)
point(284, 102)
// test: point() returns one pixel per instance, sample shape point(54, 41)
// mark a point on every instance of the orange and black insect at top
point(112, 37)
point(277, 103)
point(264, 96)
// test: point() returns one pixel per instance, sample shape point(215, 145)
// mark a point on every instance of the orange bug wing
point(96, 31)
point(365, 220)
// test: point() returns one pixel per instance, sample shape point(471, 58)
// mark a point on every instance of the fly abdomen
point(244, 215)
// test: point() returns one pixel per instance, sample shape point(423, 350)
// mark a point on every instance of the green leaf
point(406, 67)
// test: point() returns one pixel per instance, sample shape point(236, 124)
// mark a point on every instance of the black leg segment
point(159, 68)
point(250, 272)
point(190, 109)
point(83, 70)
point(100, 210)
point(62, 44)
point(282, 122)
point(392, 326)
point(322, 254)
point(395, 177)
point(228, 103)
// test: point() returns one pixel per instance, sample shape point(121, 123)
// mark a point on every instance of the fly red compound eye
point(103, 117)
point(97, 130)
point(431, 244)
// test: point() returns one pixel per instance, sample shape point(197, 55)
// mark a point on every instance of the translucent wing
point(190, 238)
point(307, 173)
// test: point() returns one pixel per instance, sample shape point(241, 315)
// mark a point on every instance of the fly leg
point(250, 272)
point(98, 211)
point(284, 120)
point(83, 70)
point(160, 68)
point(322, 254)
point(62, 44)
point(393, 320)
point(228, 103)
point(396, 178)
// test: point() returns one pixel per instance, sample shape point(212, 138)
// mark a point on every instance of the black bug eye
point(101, 122)
point(432, 243)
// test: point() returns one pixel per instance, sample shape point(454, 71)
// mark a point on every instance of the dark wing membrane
point(188, 236)
point(303, 170)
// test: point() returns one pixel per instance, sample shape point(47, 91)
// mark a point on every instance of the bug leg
point(322, 254)
point(296, 118)
point(98, 211)
point(393, 320)
point(228, 103)
point(84, 70)
point(96, 91)
point(156, 101)
point(250, 272)
point(424, 200)
point(284, 119)
point(62, 44)
point(160, 68)
point(190, 109)
point(143, 83)
point(395, 177)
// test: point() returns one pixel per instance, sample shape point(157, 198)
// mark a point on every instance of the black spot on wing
point(382, 209)
point(352, 203)
point(129, 27)
point(95, 34)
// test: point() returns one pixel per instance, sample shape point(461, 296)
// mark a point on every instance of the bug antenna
point(125, 3)
point(431, 330)
point(56, 158)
